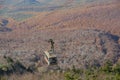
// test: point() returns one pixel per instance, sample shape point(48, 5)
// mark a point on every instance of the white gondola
point(50, 57)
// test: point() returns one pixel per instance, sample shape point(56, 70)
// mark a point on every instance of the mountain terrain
point(86, 34)
point(46, 25)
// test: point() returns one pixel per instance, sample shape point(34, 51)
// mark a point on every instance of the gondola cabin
point(50, 57)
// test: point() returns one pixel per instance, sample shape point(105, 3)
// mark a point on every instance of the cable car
point(50, 57)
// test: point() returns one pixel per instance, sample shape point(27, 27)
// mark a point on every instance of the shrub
point(73, 74)
point(107, 68)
